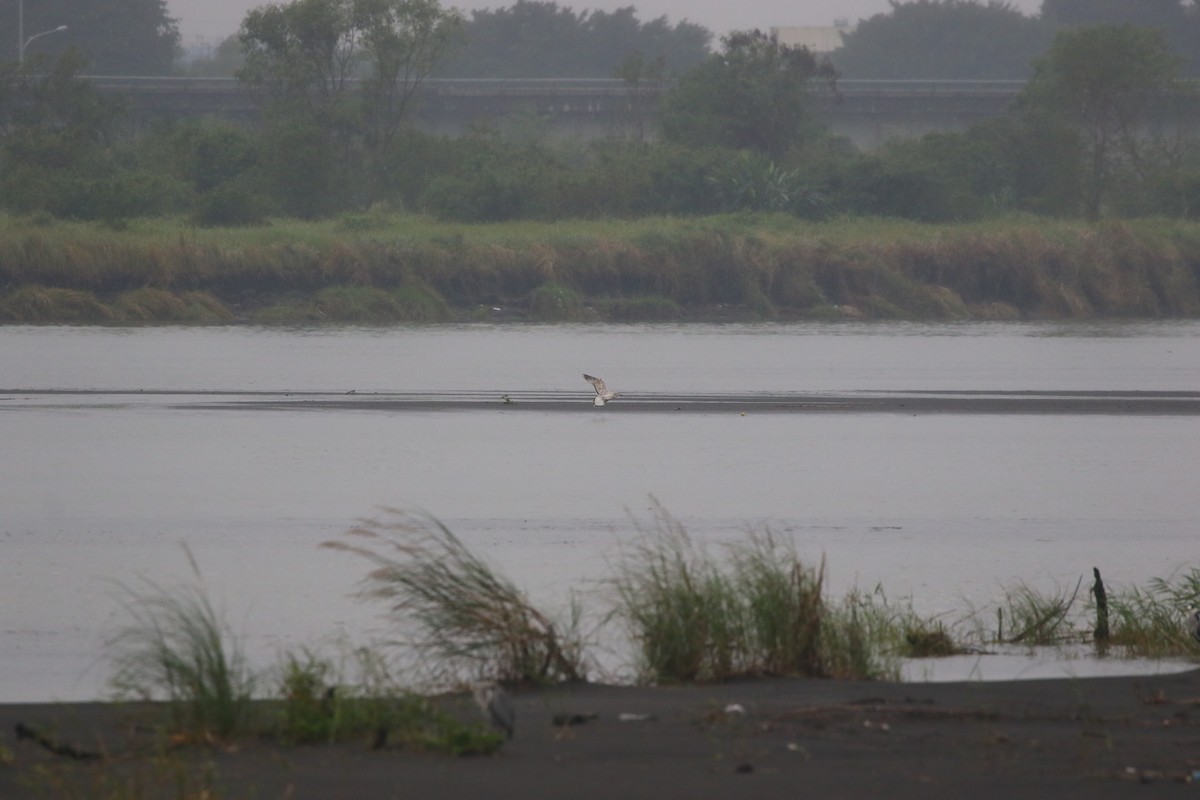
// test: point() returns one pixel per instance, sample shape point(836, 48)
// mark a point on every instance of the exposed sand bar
point(878, 402)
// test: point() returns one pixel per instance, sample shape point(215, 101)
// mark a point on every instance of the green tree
point(1178, 21)
point(56, 155)
point(1108, 86)
point(118, 37)
point(941, 177)
point(753, 95)
point(1143, 13)
point(302, 55)
point(402, 42)
point(205, 153)
point(639, 76)
point(937, 39)
point(338, 78)
point(537, 39)
point(57, 119)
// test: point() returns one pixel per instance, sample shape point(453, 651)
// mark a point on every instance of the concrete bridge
point(868, 112)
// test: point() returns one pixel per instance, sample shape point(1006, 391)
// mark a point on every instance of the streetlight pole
point(21, 55)
point(22, 42)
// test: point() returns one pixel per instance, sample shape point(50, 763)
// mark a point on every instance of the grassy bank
point(682, 612)
point(380, 268)
point(688, 613)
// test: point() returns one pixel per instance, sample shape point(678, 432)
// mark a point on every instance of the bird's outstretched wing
point(596, 383)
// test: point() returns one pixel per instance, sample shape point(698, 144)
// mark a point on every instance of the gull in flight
point(603, 395)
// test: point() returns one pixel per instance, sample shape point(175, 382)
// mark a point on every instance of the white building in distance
point(820, 40)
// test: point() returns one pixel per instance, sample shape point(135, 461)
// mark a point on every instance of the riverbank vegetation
point(693, 612)
point(675, 611)
point(730, 200)
point(1074, 144)
point(687, 612)
point(377, 267)
point(178, 647)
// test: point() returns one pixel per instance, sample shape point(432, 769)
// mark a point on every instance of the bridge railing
point(974, 88)
point(568, 85)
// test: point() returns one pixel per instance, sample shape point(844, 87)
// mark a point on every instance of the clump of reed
point(317, 706)
point(553, 302)
point(1151, 622)
point(1033, 617)
point(158, 305)
point(456, 611)
point(310, 711)
point(895, 629)
point(754, 263)
point(177, 645)
point(1136, 622)
point(412, 301)
point(33, 304)
point(320, 702)
point(929, 640)
point(862, 638)
point(759, 611)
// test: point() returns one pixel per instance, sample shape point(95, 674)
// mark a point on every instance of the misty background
point(685, 135)
point(212, 20)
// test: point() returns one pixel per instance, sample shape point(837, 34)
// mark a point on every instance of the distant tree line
point(1096, 133)
point(915, 39)
point(538, 39)
point(972, 39)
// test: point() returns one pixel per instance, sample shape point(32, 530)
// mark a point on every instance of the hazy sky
point(216, 19)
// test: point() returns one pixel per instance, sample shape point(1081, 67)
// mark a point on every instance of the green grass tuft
point(317, 707)
point(177, 646)
point(759, 611)
point(1150, 622)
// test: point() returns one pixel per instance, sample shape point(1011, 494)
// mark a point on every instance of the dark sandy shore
point(1096, 738)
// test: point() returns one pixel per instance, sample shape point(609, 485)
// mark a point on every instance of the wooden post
point(1101, 632)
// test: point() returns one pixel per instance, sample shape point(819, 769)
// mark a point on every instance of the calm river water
point(944, 462)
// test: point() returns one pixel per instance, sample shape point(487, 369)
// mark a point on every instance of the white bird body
point(603, 394)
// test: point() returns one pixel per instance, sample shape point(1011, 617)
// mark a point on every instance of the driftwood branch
point(58, 748)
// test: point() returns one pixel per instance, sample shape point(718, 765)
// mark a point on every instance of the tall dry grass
point(455, 611)
point(767, 265)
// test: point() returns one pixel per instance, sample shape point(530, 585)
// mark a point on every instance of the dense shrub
point(231, 204)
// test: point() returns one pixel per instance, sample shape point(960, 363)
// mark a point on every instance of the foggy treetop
point(964, 39)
